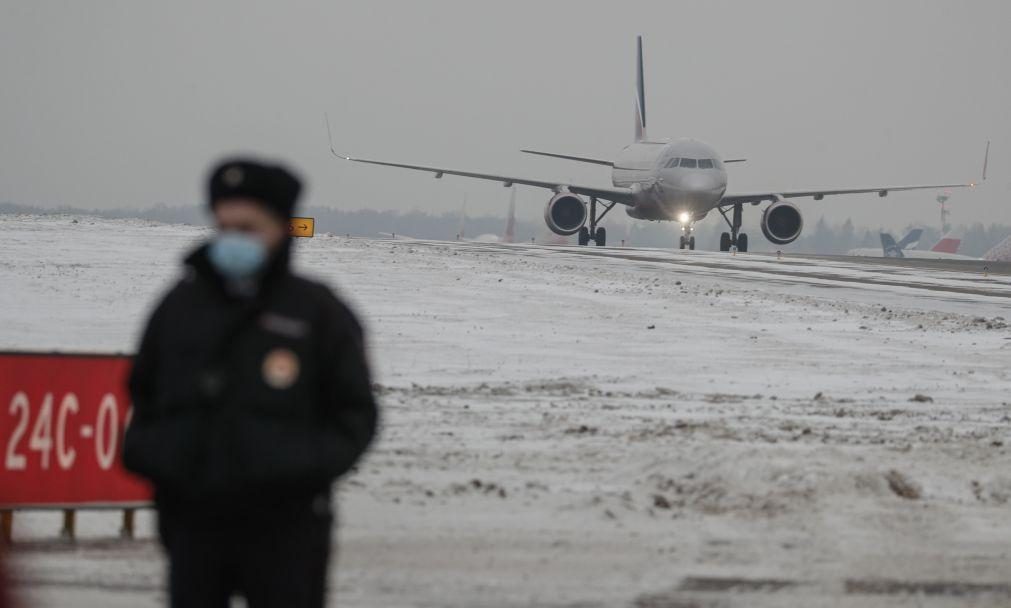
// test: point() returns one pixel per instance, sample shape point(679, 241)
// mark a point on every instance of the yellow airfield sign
point(302, 226)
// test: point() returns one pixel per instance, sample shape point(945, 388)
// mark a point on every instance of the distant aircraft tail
point(889, 247)
point(510, 231)
point(1000, 253)
point(640, 94)
point(947, 244)
point(911, 239)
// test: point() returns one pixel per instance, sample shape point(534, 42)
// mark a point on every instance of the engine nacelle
point(781, 222)
point(565, 214)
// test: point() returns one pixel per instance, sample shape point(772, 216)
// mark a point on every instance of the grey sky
point(118, 104)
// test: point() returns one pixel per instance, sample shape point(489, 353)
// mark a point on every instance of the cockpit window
point(705, 163)
point(671, 163)
point(690, 163)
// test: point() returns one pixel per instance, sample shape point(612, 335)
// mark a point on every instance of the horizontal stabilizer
point(580, 159)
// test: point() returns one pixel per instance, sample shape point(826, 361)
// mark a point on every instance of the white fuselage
point(678, 180)
point(912, 254)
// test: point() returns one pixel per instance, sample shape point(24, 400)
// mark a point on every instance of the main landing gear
point(734, 238)
point(597, 234)
point(599, 238)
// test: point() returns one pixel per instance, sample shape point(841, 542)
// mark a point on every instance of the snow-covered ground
point(600, 427)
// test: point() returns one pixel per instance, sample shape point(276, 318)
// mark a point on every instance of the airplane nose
point(699, 182)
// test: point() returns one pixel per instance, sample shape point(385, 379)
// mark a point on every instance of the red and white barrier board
point(62, 418)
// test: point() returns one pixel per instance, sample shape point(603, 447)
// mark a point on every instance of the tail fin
point(640, 94)
point(1000, 253)
point(510, 231)
point(947, 244)
point(911, 239)
point(889, 247)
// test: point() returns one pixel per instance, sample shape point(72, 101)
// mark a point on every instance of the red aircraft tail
point(947, 244)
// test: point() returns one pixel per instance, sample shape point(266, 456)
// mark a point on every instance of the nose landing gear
point(687, 238)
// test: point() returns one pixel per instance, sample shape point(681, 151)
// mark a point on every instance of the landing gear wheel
point(601, 237)
point(733, 240)
point(691, 243)
point(681, 245)
point(584, 236)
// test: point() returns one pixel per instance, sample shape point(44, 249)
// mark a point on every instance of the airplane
point(890, 248)
point(1001, 252)
point(947, 249)
point(509, 236)
point(681, 181)
point(893, 249)
point(944, 249)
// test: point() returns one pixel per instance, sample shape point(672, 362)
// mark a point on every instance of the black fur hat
point(273, 185)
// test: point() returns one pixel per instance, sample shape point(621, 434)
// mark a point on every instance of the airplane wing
point(623, 196)
point(758, 197)
point(580, 159)
point(600, 161)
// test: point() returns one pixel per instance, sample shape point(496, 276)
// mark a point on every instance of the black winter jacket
point(248, 398)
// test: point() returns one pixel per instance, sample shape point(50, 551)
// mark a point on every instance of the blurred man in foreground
point(5, 600)
point(251, 395)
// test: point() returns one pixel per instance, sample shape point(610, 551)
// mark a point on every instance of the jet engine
point(781, 222)
point(565, 214)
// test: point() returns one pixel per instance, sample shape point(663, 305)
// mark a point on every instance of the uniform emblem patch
point(280, 368)
point(232, 176)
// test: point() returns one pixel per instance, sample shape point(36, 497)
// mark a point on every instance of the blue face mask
point(236, 255)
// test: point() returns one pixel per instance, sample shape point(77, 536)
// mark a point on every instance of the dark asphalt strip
point(804, 275)
point(687, 262)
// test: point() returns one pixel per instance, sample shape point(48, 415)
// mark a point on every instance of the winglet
point(640, 94)
point(330, 139)
point(986, 159)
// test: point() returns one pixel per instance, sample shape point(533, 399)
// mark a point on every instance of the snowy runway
point(607, 427)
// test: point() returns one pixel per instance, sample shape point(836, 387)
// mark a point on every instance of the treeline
point(817, 237)
point(194, 216)
point(362, 222)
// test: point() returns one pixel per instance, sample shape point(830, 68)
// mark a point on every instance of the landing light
point(684, 217)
